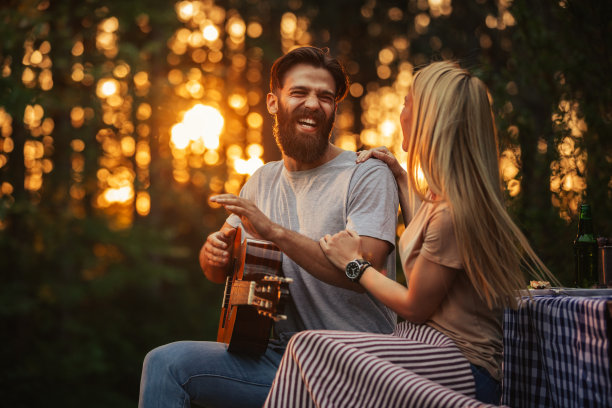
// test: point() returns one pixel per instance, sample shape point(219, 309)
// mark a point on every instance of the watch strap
point(363, 265)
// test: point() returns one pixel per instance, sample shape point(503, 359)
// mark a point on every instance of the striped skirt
point(415, 366)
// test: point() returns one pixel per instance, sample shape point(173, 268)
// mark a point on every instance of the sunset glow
point(217, 87)
point(201, 122)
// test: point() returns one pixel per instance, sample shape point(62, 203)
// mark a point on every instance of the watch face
point(352, 269)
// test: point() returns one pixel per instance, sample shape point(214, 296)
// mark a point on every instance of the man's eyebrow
point(306, 88)
point(299, 88)
point(328, 92)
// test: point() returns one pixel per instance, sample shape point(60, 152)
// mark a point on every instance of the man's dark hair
point(318, 58)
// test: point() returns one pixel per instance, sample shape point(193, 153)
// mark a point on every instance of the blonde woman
point(461, 254)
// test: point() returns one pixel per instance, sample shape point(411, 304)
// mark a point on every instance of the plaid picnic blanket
point(557, 354)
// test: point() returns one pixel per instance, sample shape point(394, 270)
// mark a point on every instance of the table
point(557, 349)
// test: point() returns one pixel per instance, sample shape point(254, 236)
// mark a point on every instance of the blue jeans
point(488, 389)
point(178, 373)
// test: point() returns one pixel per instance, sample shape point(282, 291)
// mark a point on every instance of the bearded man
point(316, 189)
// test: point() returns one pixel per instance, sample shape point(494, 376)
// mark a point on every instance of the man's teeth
point(307, 122)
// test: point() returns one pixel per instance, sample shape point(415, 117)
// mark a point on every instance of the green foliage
point(80, 305)
point(560, 52)
point(80, 302)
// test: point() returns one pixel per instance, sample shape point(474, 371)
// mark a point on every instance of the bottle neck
point(585, 221)
point(585, 226)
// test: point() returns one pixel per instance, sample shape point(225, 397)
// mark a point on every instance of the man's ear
point(272, 102)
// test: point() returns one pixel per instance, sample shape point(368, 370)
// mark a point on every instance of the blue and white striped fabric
point(416, 366)
point(556, 353)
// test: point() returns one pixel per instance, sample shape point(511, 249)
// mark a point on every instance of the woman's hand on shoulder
point(383, 154)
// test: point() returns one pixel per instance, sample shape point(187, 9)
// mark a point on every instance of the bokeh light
point(567, 181)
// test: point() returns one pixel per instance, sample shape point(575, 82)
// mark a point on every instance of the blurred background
point(118, 119)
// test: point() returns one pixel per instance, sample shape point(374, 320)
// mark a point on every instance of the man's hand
point(217, 247)
point(253, 220)
point(215, 253)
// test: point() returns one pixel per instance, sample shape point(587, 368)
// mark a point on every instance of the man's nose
point(312, 102)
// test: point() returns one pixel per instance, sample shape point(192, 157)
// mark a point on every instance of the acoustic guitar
point(254, 297)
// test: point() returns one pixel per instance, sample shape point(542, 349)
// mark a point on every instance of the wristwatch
point(355, 269)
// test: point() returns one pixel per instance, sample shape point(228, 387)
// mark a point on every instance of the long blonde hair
point(454, 141)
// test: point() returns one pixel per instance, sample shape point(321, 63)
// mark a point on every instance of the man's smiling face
point(305, 110)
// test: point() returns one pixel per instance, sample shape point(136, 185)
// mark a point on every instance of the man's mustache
point(318, 116)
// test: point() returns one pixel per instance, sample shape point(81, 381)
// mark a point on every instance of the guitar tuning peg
point(287, 280)
point(280, 317)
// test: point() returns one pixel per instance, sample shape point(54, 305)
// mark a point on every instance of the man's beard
point(303, 147)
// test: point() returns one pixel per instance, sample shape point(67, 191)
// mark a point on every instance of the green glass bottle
point(585, 251)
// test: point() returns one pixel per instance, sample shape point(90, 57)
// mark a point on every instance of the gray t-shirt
point(337, 195)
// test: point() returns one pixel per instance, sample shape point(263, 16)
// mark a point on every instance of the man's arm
point(309, 255)
point(302, 250)
point(409, 203)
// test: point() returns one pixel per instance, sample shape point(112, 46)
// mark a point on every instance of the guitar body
point(254, 295)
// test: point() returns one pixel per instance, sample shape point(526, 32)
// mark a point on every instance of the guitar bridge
point(243, 293)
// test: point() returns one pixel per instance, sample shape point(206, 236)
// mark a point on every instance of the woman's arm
point(427, 287)
point(408, 211)
point(428, 284)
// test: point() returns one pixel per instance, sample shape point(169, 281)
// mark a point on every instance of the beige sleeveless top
point(462, 315)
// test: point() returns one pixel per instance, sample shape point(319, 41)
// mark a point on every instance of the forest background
point(118, 119)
